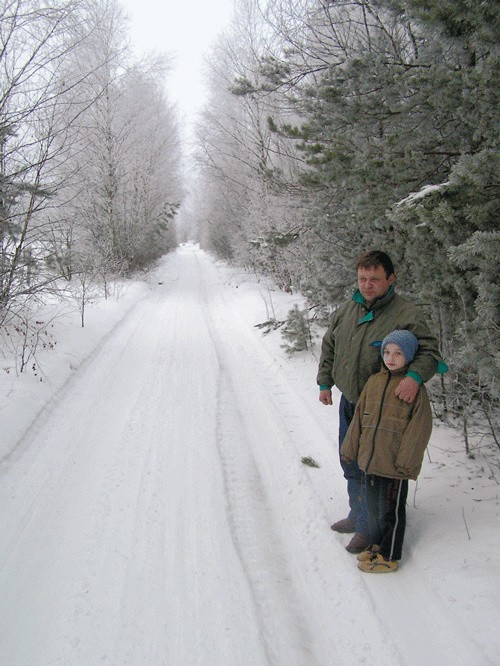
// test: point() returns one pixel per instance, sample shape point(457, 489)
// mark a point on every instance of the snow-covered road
point(159, 513)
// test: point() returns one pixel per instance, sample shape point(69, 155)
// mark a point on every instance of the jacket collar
point(357, 297)
point(379, 302)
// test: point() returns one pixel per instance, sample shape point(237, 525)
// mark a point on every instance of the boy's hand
point(325, 396)
point(407, 389)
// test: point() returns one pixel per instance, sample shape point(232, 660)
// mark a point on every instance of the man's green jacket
point(350, 351)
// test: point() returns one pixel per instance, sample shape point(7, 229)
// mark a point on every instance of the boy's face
point(373, 283)
point(394, 358)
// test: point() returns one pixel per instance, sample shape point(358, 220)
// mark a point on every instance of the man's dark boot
point(344, 526)
point(358, 543)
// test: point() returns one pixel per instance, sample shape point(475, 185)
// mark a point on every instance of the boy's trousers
point(386, 503)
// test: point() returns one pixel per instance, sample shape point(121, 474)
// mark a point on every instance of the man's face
point(373, 283)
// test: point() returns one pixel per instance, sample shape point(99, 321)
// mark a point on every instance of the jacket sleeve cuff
point(442, 367)
point(414, 375)
point(324, 387)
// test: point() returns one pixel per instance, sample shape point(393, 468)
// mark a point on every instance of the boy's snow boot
point(378, 564)
point(358, 543)
point(344, 526)
point(367, 554)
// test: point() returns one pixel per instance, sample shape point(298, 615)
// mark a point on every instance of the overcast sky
point(185, 28)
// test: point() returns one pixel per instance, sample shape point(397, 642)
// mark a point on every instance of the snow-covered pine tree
point(297, 331)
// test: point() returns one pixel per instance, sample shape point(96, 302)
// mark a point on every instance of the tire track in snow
point(283, 628)
point(45, 412)
point(75, 488)
point(52, 460)
point(131, 529)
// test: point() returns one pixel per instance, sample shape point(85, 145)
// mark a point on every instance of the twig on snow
point(465, 523)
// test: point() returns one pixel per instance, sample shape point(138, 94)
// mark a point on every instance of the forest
point(337, 126)
point(89, 173)
point(331, 127)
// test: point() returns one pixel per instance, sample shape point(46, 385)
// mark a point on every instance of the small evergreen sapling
point(297, 332)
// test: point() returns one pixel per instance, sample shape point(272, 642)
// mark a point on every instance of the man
point(350, 354)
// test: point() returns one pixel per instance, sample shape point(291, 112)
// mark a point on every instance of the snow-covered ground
point(154, 508)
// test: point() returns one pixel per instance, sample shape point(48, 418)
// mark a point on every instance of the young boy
point(388, 438)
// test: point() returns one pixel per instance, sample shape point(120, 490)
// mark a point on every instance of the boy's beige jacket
point(387, 436)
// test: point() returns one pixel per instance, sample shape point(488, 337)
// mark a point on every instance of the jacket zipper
point(377, 424)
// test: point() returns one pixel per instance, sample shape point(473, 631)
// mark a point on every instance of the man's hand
point(325, 396)
point(407, 389)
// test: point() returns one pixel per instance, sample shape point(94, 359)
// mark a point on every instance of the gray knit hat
point(406, 340)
